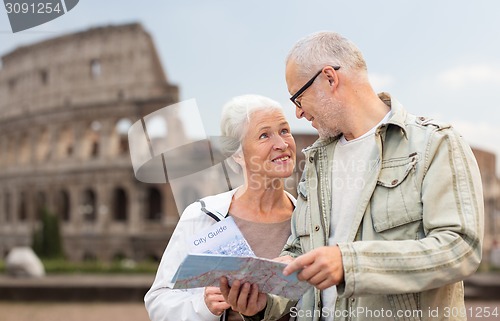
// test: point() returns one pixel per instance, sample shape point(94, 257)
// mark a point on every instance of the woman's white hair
point(236, 115)
point(325, 48)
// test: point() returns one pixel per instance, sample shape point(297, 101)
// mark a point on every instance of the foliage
point(59, 266)
point(47, 239)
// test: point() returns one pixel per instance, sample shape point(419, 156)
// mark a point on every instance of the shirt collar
point(220, 203)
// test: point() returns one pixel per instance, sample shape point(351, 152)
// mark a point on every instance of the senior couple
point(389, 215)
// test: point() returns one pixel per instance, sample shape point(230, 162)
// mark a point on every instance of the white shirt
point(351, 162)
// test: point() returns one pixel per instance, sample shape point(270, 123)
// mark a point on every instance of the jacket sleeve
point(452, 213)
point(164, 303)
point(276, 308)
point(292, 246)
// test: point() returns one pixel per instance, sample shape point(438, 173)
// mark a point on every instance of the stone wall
point(65, 110)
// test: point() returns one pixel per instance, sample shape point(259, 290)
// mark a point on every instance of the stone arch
point(89, 256)
point(41, 203)
point(95, 68)
point(22, 214)
point(88, 207)
point(63, 205)
point(154, 204)
point(92, 140)
point(44, 77)
point(43, 146)
point(24, 149)
point(119, 137)
point(3, 151)
point(120, 205)
point(65, 143)
point(11, 152)
point(6, 206)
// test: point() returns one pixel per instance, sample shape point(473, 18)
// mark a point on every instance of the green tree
point(47, 239)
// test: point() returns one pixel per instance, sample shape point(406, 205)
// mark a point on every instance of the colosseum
point(66, 109)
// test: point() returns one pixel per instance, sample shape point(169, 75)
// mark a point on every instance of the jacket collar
point(398, 113)
point(219, 204)
point(397, 118)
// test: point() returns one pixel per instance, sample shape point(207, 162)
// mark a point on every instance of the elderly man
point(389, 218)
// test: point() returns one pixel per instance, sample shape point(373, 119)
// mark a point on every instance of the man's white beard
point(329, 119)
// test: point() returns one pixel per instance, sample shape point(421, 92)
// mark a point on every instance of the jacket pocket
point(406, 306)
point(396, 199)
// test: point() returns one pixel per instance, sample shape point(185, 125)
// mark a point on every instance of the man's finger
point(311, 272)
point(313, 277)
point(298, 263)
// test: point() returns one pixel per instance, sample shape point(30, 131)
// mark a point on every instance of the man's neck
point(366, 113)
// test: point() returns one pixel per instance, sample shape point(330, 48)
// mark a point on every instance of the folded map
point(201, 270)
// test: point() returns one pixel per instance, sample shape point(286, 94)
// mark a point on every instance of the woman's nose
point(280, 143)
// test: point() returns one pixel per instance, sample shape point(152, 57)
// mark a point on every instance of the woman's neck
point(268, 204)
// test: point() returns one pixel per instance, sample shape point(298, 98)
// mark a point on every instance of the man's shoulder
point(425, 125)
point(427, 121)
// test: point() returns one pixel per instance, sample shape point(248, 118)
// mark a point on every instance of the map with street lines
point(201, 270)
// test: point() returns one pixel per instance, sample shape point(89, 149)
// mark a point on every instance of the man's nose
point(299, 113)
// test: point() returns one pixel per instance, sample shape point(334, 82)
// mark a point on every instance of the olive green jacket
point(417, 232)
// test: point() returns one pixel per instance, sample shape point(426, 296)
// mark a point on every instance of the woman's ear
point(239, 159)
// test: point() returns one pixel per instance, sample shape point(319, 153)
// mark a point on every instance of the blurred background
point(71, 89)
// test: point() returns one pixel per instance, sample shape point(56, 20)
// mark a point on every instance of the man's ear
point(332, 76)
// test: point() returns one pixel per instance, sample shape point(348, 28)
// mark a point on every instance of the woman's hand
point(244, 298)
point(215, 301)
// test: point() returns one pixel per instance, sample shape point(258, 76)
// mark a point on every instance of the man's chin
point(327, 133)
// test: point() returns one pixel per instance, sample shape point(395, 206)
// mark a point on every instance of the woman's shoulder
point(216, 199)
point(217, 204)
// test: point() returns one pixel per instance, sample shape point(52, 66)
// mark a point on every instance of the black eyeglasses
point(307, 85)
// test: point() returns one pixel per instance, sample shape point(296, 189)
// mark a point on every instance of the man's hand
point(284, 259)
point(322, 267)
point(215, 301)
point(243, 298)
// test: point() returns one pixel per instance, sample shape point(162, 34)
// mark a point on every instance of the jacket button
point(316, 228)
point(311, 159)
point(394, 182)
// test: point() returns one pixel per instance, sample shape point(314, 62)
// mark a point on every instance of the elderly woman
point(265, 153)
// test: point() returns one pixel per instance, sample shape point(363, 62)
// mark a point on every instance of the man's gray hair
point(324, 48)
point(235, 118)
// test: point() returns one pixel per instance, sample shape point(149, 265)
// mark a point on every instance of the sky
point(440, 59)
